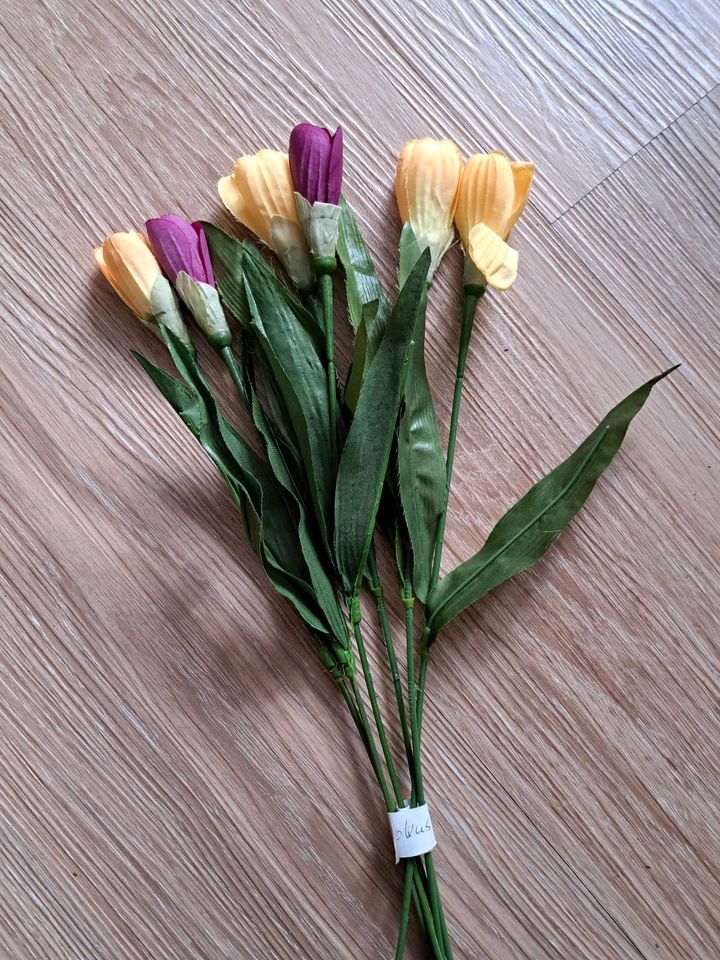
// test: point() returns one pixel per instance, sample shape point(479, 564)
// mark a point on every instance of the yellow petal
point(127, 262)
point(259, 188)
point(486, 194)
point(426, 184)
point(523, 172)
point(492, 256)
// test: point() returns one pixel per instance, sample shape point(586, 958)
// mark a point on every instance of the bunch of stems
point(420, 885)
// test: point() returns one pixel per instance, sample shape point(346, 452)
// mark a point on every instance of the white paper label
point(412, 832)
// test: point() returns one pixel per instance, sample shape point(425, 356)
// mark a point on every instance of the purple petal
point(335, 168)
point(310, 153)
point(175, 244)
point(204, 253)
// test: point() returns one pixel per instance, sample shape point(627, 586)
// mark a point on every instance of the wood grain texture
point(178, 778)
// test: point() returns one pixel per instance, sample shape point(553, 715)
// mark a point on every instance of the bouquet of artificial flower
point(345, 461)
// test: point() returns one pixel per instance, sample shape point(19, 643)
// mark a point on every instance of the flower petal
point(204, 252)
point(175, 244)
point(335, 168)
point(131, 268)
point(492, 256)
point(486, 194)
point(523, 172)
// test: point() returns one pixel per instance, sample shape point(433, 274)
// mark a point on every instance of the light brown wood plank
point(651, 232)
point(147, 749)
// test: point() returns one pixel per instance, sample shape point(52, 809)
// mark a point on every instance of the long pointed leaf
point(366, 453)
point(534, 523)
point(361, 281)
point(421, 464)
point(300, 377)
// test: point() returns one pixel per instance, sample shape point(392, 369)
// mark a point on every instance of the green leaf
point(364, 461)
point(361, 281)
point(319, 576)
point(360, 355)
point(421, 464)
point(250, 482)
point(227, 254)
point(534, 523)
point(301, 381)
point(309, 321)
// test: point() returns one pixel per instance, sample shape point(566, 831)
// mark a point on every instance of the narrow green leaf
point(361, 281)
point(534, 523)
point(227, 254)
point(360, 357)
point(301, 380)
point(364, 461)
point(319, 576)
point(176, 393)
point(297, 592)
point(308, 320)
point(421, 464)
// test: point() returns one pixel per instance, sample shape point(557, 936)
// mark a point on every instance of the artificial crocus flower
point(316, 164)
point(493, 194)
point(182, 251)
point(260, 194)
point(426, 186)
point(126, 261)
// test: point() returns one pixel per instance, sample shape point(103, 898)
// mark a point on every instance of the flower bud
point(127, 263)
point(259, 193)
point(180, 246)
point(426, 187)
point(316, 163)
point(493, 193)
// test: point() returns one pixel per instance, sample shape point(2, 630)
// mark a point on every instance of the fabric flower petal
point(523, 172)
point(492, 256)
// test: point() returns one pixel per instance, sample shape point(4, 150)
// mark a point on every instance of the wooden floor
point(177, 778)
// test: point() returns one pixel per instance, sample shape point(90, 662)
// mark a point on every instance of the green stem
point(415, 699)
point(392, 659)
point(470, 301)
point(420, 900)
point(326, 291)
point(367, 674)
point(366, 731)
point(405, 910)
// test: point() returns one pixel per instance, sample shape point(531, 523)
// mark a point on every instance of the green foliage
point(280, 540)
point(534, 523)
point(420, 460)
point(367, 449)
point(361, 281)
point(300, 379)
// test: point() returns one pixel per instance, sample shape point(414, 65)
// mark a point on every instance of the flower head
point(316, 162)
point(493, 193)
point(260, 194)
point(426, 186)
point(127, 263)
point(180, 246)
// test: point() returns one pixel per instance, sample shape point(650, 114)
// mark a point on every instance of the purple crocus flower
point(316, 162)
point(179, 246)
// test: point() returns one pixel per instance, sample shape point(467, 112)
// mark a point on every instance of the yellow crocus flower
point(492, 195)
point(426, 186)
point(129, 266)
point(260, 194)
